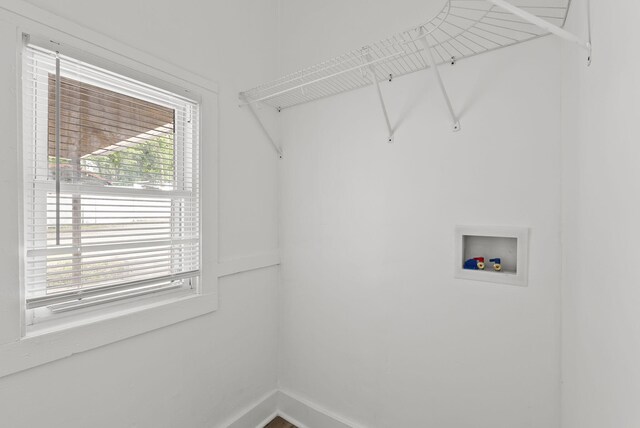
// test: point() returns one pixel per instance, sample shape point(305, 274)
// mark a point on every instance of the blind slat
point(53, 268)
point(101, 255)
point(112, 297)
point(95, 278)
point(35, 302)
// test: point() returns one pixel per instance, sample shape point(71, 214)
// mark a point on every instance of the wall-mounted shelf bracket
point(376, 83)
point(251, 108)
point(432, 64)
point(546, 25)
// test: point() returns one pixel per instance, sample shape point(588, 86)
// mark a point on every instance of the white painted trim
point(288, 405)
point(245, 264)
point(255, 415)
point(290, 419)
point(306, 414)
point(37, 350)
point(268, 419)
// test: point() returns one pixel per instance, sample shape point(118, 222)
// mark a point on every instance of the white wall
point(204, 371)
point(374, 327)
point(601, 293)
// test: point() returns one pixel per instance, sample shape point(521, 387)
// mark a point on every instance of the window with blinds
point(111, 192)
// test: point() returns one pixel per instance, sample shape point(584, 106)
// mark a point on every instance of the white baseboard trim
point(255, 415)
point(267, 420)
point(286, 404)
point(305, 414)
point(245, 264)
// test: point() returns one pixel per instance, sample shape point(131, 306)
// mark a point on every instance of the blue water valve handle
point(497, 264)
point(471, 264)
point(476, 263)
point(495, 261)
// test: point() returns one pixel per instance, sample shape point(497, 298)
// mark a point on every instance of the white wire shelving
point(462, 29)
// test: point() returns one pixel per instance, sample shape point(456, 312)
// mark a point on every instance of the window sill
point(46, 347)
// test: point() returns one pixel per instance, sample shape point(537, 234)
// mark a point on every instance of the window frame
point(19, 351)
point(39, 186)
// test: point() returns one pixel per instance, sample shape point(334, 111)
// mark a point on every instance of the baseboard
point(257, 414)
point(305, 414)
point(267, 420)
point(288, 405)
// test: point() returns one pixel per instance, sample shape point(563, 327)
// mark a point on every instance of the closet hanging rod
point(302, 85)
point(462, 28)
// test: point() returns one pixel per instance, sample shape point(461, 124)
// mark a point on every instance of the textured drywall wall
point(374, 326)
point(601, 182)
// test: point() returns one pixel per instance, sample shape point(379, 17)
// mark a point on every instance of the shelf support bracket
point(432, 63)
point(545, 25)
point(374, 77)
point(262, 127)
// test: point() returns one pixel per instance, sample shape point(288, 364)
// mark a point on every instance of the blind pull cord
point(57, 149)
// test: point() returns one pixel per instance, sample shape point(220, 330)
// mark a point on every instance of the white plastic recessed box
point(509, 244)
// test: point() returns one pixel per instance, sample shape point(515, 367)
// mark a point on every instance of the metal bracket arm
point(374, 77)
point(545, 25)
point(262, 127)
point(434, 66)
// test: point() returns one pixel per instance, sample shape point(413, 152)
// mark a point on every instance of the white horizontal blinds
point(127, 196)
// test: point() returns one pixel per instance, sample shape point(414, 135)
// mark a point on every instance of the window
point(111, 192)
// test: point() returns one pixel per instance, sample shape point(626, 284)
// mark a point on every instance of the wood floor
point(278, 422)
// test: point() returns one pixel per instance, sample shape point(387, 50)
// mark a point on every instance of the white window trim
point(18, 352)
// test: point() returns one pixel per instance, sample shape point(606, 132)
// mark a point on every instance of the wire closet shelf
point(462, 29)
